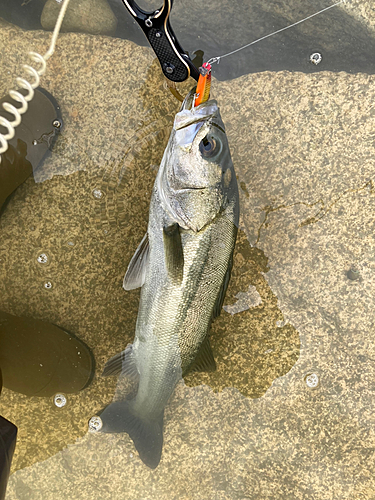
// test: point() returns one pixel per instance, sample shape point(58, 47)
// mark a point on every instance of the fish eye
point(209, 147)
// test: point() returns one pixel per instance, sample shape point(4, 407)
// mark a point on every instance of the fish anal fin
point(136, 272)
point(147, 434)
point(205, 361)
point(122, 363)
point(173, 252)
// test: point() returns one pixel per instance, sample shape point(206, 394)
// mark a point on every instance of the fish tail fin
point(146, 433)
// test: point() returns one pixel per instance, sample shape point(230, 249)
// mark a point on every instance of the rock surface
point(303, 149)
point(344, 34)
point(88, 16)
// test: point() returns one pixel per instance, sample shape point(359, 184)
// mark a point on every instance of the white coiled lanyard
point(22, 83)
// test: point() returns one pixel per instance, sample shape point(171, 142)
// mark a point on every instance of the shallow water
point(289, 411)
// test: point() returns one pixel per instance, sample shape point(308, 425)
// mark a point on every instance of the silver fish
point(183, 265)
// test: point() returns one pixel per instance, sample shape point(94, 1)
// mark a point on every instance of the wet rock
point(302, 148)
point(87, 16)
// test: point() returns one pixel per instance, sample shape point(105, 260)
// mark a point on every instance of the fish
point(183, 267)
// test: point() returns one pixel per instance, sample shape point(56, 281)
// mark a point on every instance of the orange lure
point(204, 84)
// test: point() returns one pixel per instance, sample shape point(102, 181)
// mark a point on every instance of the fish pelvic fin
point(122, 363)
point(146, 433)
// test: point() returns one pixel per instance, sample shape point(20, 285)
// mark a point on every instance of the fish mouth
point(189, 114)
point(188, 103)
point(189, 120)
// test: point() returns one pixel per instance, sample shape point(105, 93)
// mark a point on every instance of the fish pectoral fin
point(122, 363)
point(136, 272)
point(146, 433)
point(205, 361)
point(174, 254)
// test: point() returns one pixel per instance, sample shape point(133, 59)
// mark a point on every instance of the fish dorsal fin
point(221, 296)
point(205, 361)
point(173, 252)
point(136, 272)
point(122, 363)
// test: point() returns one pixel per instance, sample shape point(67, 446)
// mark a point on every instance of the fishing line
point(217, 59)
point(22, 83)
